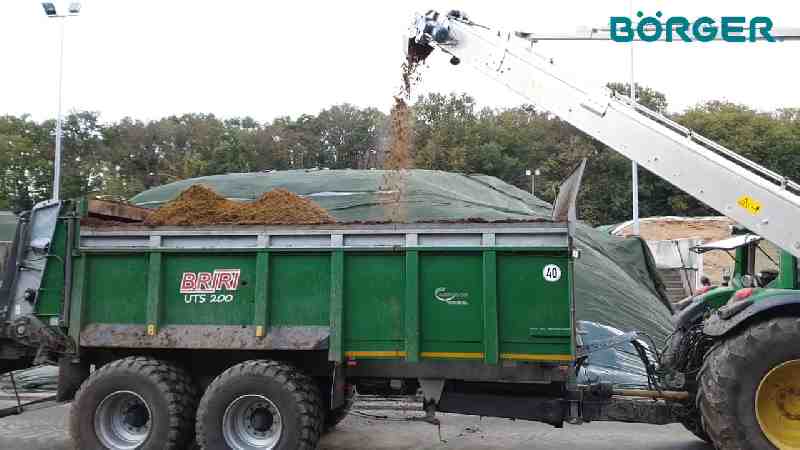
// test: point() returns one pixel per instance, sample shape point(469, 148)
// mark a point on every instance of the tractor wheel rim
point(778, 405)
point(252, 422)
point(122, 420)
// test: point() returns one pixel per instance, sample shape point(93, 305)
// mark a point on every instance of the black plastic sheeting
point(620, 365)
point(616, 284)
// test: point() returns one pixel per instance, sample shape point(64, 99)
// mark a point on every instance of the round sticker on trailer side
point(551, 273)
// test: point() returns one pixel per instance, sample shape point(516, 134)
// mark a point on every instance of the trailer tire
point(287, 402)
point(732, 378)
point(135, 402)
point(336, 415)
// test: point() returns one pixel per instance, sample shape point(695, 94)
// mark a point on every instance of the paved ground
point(45, 429)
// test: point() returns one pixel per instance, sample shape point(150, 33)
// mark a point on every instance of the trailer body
point(409, 292)
point(468, 302)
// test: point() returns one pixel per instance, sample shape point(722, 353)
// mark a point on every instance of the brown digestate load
point(281, 207)
point(199, 205)
point(98, 222)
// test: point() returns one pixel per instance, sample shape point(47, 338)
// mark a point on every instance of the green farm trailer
point(255, 336)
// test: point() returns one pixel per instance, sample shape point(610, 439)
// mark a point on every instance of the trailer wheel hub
point(252, 422)
point(778, 405)
point(122, 420)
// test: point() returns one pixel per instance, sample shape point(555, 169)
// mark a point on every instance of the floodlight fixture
point(49, 9)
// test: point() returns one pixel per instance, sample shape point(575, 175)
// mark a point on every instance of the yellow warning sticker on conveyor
point(750, 204)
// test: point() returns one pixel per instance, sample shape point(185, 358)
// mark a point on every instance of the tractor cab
point(742, 249)
point(755, 264)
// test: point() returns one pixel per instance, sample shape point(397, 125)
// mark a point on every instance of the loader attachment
point(427, 31)
point(416, 53)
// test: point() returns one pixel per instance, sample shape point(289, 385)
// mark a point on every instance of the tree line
point(450, 132)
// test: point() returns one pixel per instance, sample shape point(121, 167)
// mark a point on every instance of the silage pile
point(200, 205)
point(709, 229)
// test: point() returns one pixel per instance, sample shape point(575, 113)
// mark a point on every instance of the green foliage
point(348, 136)
point(25, 162)
point(449, 133)
point(646, 96)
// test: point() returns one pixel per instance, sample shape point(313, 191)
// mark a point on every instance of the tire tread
point(303, 389)
point(172, 381)
point(719, 381)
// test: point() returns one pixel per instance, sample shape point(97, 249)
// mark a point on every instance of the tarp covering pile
point(360, 195)
point(615, 279)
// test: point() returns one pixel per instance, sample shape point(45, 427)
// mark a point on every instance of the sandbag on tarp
point(615, 279)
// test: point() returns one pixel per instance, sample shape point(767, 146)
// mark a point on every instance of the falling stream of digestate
point(398, 160)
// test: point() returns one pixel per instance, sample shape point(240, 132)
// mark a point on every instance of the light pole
point(634, 166)
point(533, 175)
point(50, 10)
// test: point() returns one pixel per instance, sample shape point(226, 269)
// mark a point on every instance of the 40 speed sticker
point(551, 273)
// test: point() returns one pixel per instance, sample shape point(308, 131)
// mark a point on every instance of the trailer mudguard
point(691, 314)
point(717, 326)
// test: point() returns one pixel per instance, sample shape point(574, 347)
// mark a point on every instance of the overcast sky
point(148, 59)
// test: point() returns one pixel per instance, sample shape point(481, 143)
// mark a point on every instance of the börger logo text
point(704, 29)
point(210, 282)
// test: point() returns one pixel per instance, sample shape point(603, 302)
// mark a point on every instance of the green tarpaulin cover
point(615, 280)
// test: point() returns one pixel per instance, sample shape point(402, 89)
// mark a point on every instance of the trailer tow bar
point(675, 396)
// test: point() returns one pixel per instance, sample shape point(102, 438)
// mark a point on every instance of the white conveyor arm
point(754, 196)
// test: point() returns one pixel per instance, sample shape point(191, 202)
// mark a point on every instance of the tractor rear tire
point(260, 404)
point(135, 402)
point(741, 408)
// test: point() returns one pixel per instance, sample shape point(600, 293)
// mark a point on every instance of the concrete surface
point(45, 428)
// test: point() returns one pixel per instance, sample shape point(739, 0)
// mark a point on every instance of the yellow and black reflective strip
point(459, 355)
